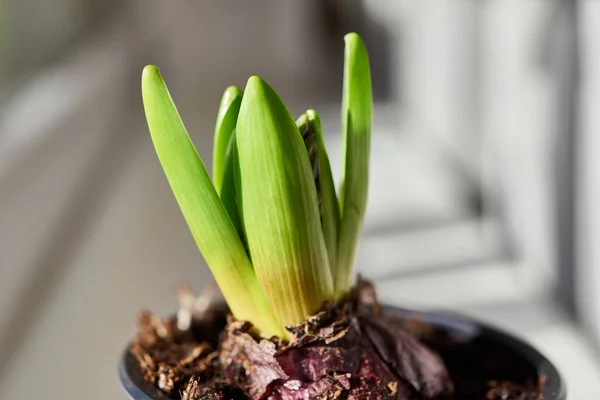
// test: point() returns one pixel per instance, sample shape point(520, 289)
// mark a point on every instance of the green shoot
point(226, 120)
point(280, 211)
point(310, 125)
point(357, 105)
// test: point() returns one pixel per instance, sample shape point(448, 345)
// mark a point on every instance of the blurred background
point(485, 165)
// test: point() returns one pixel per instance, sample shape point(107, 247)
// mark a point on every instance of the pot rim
point(554, 388)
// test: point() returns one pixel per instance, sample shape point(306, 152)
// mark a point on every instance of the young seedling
point(270, 226)
point(281, 245)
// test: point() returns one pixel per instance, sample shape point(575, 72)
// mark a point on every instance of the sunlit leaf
point(278, 202)
point(357, 105)
point(207, 219)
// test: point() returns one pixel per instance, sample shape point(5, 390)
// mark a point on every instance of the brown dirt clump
point(350, 351)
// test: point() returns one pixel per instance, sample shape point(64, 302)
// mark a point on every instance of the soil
point(353, 351)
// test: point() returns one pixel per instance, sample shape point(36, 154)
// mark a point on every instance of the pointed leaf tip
point(352, 37)
point(354, 42)
point(232, 91)
point(256, 82)
point(150, 72)
point(261, 93)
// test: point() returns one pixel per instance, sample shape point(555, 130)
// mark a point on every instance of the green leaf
point(279, 207)
point(309, 125)
point(228, 192)
point(207, 219)
point(226, 121)
point(357, 106)
point(224, 145)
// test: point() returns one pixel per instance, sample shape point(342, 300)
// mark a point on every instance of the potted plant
point(280, 242)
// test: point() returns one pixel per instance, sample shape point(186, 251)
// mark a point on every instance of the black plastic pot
point(480, 352)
